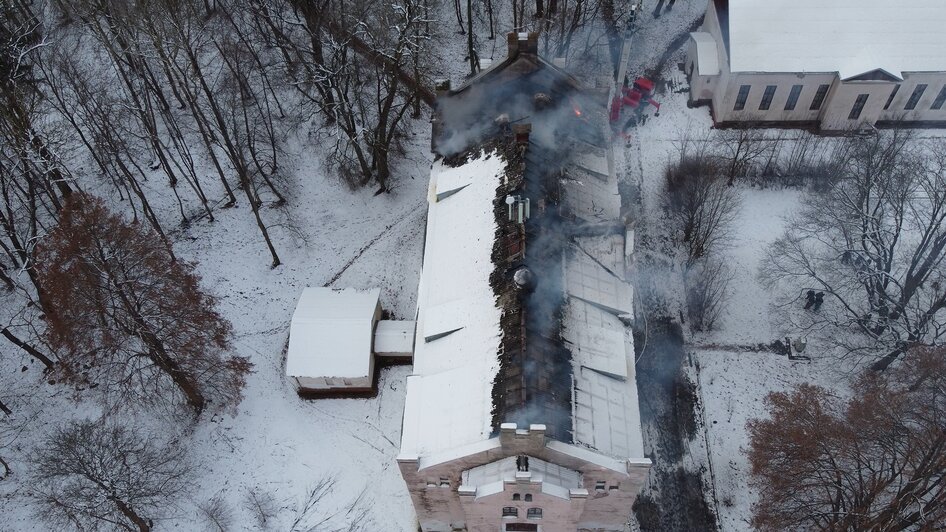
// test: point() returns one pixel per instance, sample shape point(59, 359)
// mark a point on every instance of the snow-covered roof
point(393, 337)
point(707, 55)
point(449, 397)
point(587, 279)
point(331, 333)
point(850, 37)
point(606, 410)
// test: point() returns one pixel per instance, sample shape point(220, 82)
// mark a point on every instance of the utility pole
point(626, 48)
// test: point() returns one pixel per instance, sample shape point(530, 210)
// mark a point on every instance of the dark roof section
point(534, 382)
point(722, 14)
point(531, 112)
point(878, 74)
point(510, 87)
point(522, 59)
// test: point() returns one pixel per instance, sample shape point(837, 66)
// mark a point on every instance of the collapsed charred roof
point(522, 300)
point(522, 89)
point(533, 115)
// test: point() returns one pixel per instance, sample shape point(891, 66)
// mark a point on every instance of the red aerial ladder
point(630, 101)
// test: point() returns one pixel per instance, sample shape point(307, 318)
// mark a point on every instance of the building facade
point(835, 66)
point(522, 411)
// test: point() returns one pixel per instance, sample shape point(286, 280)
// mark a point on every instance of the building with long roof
point(522, 410)
point(835, 65)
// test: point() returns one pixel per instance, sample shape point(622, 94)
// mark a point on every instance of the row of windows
point(600, 485)
point(822, 91)
point(769, 94)
point(518, 497)
point(917, 94)
point(531, 513)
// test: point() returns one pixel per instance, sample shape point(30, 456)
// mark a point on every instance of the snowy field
point(732, 378)
point(734, 382)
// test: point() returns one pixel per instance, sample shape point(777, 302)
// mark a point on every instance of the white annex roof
point(394, 337)
point(850, 37)
point(331, 333)
point(449, 396)
point(707, 55)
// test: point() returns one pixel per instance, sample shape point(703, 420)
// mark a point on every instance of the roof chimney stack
point(522, 43)
point(521, 131)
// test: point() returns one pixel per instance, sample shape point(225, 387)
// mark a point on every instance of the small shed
point(331, 340)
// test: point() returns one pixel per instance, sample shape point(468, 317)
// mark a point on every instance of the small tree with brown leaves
point(128, 318)
point(875, 462)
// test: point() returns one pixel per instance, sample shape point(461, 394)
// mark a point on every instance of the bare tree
point(263, 506)
point(92, 475)
point(875, 462)
point(33, 182)
point(370, 98)
point(700, 204)
point(217, 512)
point(28, 348)
point(127, 316)
point(875, 245)
point(707, 292)
point(742, 148)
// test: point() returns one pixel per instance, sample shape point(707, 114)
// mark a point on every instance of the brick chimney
point(521, 131)
point(522, 43)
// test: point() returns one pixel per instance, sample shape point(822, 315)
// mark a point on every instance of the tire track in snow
point(373, 241)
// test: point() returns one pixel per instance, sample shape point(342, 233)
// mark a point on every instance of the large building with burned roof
point(522, 410)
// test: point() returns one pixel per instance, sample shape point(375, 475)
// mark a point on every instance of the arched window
point(528, 497)
point(534, 513)
point(516, 496)
point(510, 511)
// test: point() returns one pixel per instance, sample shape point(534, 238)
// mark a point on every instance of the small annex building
point(835, 66)
point(336, 338)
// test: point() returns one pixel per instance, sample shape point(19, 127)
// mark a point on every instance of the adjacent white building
point(830, 64)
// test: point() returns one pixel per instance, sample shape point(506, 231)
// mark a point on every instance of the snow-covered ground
point(277, 443)
point(734, 379)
